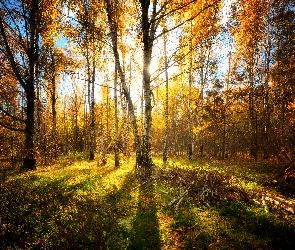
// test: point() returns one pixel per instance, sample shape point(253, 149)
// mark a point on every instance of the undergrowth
point(188, 205)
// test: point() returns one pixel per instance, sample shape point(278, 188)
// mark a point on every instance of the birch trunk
point(117, 162)
point(148, 29)
point(165, 151)
point(190, 141)
point(113, 34)
point(92, 116)
point(224, 147)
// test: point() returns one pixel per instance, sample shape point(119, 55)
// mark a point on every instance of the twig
point(180, 198)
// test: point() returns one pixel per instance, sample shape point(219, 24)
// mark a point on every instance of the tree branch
point(11, 116)
point(10, 127)
point(169, 66)
point(189, 19)
point(10, 55)
point(170, 12)
point(159, 11)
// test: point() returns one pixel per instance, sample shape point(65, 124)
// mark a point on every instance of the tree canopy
point(193, 77)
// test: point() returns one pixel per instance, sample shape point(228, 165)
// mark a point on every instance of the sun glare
point(153, 67)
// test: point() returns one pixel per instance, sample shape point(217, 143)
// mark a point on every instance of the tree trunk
point(102, 147)
point(266, 108)
point(117, 162)
point(253, 127)
point(224, 146)
point(125, 127)
point(146, 140)
point(165, 151)
point(27, 82)
point(90, 83)
point(29, 160)
point(53, 108)
point(54, 113)
point(92, 114)
point(113, 34)
point(38, 138)
point(148, 32)
point(189, 124)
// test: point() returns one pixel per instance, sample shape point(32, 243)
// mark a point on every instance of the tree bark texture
point(117, 162)
point(148, 29)
point(29, 160)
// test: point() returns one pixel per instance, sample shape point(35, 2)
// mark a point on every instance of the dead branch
point(180, 198)
point(274, 201)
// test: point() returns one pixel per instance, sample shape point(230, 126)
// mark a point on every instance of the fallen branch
point(281, 202)
point(275, 201)
point(180, 198)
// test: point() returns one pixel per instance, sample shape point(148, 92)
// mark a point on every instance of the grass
point(81, 205)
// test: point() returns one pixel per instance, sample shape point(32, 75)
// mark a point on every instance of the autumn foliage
point(227, 69)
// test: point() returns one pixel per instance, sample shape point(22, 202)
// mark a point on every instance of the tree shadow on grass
point(52, 214)
point(235, 225)
point(225, 218)
point(264, 230)
point(145, 232)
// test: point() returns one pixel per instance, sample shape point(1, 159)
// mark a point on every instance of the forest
point(147, 124)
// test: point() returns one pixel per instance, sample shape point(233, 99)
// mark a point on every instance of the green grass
point(81, 205)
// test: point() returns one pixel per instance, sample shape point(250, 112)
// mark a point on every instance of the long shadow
point(277, 235)
point(51, 215)
point(239, 228)
point(145, 233)
point(241, 225)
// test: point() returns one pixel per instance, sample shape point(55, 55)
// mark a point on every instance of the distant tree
point(282, 75)
point(248, 34)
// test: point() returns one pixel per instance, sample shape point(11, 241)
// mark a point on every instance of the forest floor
point(197, 204)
